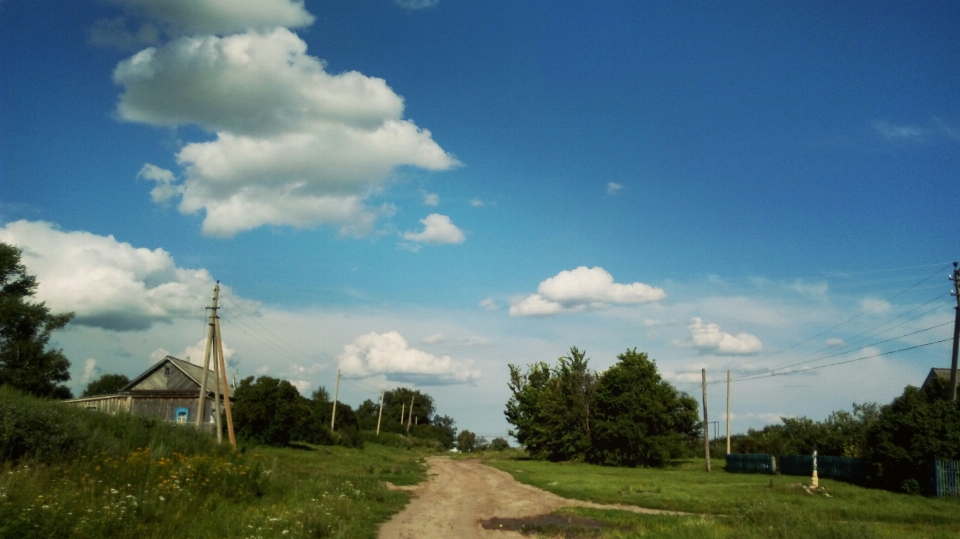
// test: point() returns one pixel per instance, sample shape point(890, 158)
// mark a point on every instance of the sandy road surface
point(461, 493)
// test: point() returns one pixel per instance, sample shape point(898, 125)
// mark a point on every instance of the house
point(943, 374)
point(169, 390)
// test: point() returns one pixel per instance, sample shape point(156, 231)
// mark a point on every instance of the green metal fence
point(946, 478)
point(842, 468)
point(766, 464)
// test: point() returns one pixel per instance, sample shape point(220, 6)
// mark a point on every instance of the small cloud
point(875, 306)
point(90, 371)
point(437, 229)
point(303, 386)
point(416, 4)
point(488, 304)
point(580, 289)
point(834, 342)
point(389, 354)
point(709, 339)
point(897, 133)
point(476, 340)
point(476, 203)
point(436, 338)
point(651, 323)
point(431, 199)
point(166, 187)
point(613, 188)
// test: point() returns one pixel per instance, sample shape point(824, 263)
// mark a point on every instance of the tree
point(107, 384)
point(639, 419)
point(466, 441)
point(266, 411)
point(499, 444)
point(25, 327)
point(552, 408)
point(918, 426)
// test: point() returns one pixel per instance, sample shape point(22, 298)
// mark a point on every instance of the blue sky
point(428, 191)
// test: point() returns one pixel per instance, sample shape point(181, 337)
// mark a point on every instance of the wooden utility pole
point(216, 386)
point(403, 408)
point(956, 334)
point(706, 430)
point(728, 411)
point(380, 415)
point(410, 414)
point(201, 402)
point(226, 388)
point(336, 394)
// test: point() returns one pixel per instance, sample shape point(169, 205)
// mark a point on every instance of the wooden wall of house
point(166, 407)
point(110, 404)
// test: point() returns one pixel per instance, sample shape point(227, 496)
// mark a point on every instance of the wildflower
point(162, 499)
point(284, 532)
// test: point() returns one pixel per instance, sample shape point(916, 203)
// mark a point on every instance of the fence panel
point(765, 464)
point(946, 478)
point(841, 468)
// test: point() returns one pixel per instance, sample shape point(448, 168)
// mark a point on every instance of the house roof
point(943, 374)
point(193, 372)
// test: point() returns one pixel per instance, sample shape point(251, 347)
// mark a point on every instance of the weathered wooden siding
point(110, 404)
point(167, 378)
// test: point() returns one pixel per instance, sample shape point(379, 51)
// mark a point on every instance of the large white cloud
point(389, 354)
point(219, 16)
point(709, 339)
point(294, 144)
point(107, 283)
point(583, 288)
point(437, 229)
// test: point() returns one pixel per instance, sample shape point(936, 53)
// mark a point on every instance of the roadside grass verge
point(77, 474)
point(737, 505)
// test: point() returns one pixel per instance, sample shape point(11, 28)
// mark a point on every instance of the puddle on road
point(571, 527)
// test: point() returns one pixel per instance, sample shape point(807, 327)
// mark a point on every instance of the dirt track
point(460, 493)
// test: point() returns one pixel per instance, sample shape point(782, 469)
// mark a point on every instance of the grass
point(737, 505)
point(77, 474)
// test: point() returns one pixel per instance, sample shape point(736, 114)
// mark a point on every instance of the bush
point(466, 441)
point(499, 444)
point(265, 411)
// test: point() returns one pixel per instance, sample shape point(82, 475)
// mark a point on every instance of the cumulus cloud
point(613, 188)
point(580, 289)
point(294, 145)
point(389, 354)
point(437, 229)
point(431, 199)
point(488, 304)
point(709, 339)
point(194, 17)
point(107, 283)
point(165, 188)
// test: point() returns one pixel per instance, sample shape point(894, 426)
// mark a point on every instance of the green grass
point(77, 474)
point(738, 505)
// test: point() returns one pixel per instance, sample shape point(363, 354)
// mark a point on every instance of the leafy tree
point(466, 441)
point(266, 411)
point(499, 444)
point(918, 426)
point(107, 384)
point(397, 401)
point(639, 419)
point(552, 408)
point(25, 327)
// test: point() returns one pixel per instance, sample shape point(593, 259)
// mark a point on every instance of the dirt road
point(459, 494)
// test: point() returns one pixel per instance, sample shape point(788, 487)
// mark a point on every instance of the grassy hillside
point(74, 473)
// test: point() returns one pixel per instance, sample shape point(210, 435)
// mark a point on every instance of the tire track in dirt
point(458, 494)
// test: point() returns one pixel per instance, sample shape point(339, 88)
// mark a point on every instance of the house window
point(166, 370)
point(182, 415)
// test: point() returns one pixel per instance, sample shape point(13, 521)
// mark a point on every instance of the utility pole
point(403, 410)
point(380, 415)
point(216, 385)
point(336, 394)
point(956, 335)
point(201, 403)
point(226, 388)
point(410, 415)
point(728, 411)
point(706, 430)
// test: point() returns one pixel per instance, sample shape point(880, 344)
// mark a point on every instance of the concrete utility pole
point(410, 415)
point(201, 402)
point(216, 385)
point(380, 415)
point(226, 388)
point(706, 429)
point(956, 334)
point(336, 394)
point(728, 411)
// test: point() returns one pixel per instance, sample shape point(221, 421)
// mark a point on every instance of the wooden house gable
point(166, 378)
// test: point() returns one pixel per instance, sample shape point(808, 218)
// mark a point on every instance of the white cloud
point(613, 188)
point(436, 338)
point(416, 4)
point(90, 371)
point(583, 288)
point(476, 203)
point(166, 187)
point(892, 132)
point(303, 386)
point(834, 342)
point(107, 283)
point(437, 229)
point(709, 339)
point(431, 199)
point(219, 16)
point(875, 306)
point(390, 355)
point(294, 145)
point(653, 323)
point(488, 304)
